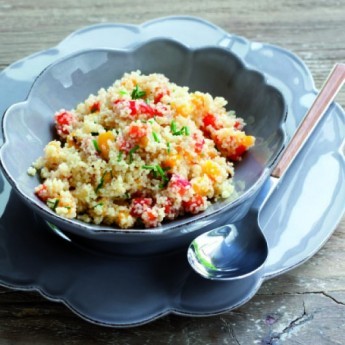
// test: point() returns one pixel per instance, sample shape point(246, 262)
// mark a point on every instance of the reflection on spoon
point(231, 251)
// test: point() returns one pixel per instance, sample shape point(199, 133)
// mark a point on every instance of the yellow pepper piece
point(184, 109)
point(103, 143)
point(211, 169)
point(248, 141)
point(201, 185)
point(171, 161)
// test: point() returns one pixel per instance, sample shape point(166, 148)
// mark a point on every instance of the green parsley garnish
point(168, 147)
point(161, 172)
point(53, 204)
point(151, 167)
point(135, 148)
point(100, 185)
point(95, 144)
point(163, 184)
point(123, 92)
point(94, 134)
point(173, 127)
point(157, 170)
point(184, 130)
point(119, 156)
point(99, 204)
point(155, 137)
point(137, 93)
point(101, 182)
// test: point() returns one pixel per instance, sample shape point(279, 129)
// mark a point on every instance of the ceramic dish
point(210, 69)
point(32, 258)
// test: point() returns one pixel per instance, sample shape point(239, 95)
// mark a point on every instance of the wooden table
point(304, 306)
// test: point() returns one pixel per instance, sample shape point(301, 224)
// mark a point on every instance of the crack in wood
point(275, 337)
point(323, 293)
point(332, 298)
point(230, 330)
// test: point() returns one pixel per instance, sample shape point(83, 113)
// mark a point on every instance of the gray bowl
point(27, 129)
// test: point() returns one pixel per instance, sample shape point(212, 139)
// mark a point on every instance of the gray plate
point(103, 289)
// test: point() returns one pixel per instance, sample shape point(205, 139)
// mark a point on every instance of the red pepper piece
point(139, 206)
point(42, 192)
point(63, 120)
point(179, 183)
point(193, 205)
point(95, 107)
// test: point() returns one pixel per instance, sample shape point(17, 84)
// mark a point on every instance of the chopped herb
point(149, 167)
point(157, 170)
point(94, 134)
point(184, 130)
point(123, 92)
point(53, 204)
point(148, 101)
point(68, 207)
point(127, 196)
point(163, 184)
point(162, 173)
point(100, 185)
point(101, 182)
point(155, 137)
point(160, 170)
point(173, 127)
point(137, 93)
point(151, 121)
point(95, 144)
point(135, 148)
point(99, 204)
point(119, 156)
point(168, 147)
point(143, 121)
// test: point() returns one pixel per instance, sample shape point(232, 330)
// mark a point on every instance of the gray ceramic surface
point(33, 258)
point(215, 70)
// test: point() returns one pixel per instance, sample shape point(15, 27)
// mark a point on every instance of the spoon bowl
point(238, 250)
point(231, 251)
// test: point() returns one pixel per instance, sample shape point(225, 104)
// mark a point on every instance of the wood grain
point(305, 306)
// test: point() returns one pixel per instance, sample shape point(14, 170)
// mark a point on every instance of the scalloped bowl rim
point(165, 228)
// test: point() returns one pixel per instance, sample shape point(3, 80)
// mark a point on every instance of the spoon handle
point(327, 94)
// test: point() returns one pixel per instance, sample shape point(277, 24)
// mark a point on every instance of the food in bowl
point(143, 151)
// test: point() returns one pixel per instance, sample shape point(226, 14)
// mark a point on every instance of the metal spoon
point(240, 249)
